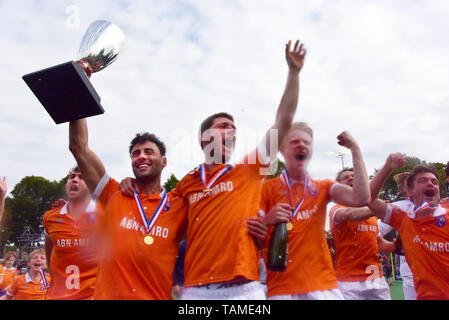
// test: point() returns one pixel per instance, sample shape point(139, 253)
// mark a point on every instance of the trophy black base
point(65, 92)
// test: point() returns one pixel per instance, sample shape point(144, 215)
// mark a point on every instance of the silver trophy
point(101, 45)
point(65, 90)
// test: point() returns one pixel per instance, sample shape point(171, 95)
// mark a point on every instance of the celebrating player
point(141, 234)
point(222, 260)
point(297, 199)
point(424, 231)
point(71, 243)
point(357, 245)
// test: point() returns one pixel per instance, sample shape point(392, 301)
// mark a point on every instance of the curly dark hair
point(144, 137)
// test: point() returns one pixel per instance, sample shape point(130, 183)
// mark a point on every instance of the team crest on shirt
point(440, 221)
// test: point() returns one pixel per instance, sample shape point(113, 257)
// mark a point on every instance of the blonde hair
point(401, 179)
point(303, 126)
point(34, 252)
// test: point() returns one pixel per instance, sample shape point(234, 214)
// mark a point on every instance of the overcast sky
point(379, 69)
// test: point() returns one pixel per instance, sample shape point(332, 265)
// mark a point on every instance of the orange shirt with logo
point(356, 250)
point(219, 246)
point(426, 248)
point(129, 269)
point(8, 276)
point(309, 264)
point(23, 288)
point(74, 258)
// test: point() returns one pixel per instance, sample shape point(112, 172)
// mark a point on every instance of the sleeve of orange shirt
point(394, 216)
point(332, 213)
point(105, 189)
point(12, 291)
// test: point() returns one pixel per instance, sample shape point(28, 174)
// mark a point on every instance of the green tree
point(390, 190)
point(30, 198)
point(276, 169)
point(171, 183)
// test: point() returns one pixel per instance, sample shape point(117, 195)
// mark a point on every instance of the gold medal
point(148, 240)
point(289, 226)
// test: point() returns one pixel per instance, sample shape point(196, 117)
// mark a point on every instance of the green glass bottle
point(278, 249)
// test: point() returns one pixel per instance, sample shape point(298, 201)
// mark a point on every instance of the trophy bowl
point(65, 90)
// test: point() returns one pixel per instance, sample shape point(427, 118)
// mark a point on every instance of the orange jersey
point(8, 276)
point(130, 269)
point(74, 258)
point(426, 248)
point(219, 246)
point(356, 250)
point(23, 288)
point(309, 264)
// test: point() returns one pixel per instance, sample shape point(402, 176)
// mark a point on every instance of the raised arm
point(3, 191)
point(88, 162)
point(394, 161)
point(359, 195)
point(289, 101)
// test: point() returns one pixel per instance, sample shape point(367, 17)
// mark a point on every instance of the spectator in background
point(22, 265)
point(178, 273)
point(387, 268)
point(7, 272)
point(34, 284)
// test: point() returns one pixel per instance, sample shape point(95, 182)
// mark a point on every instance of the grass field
point(396, 290)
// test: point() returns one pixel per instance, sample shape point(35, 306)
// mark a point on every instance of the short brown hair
point(304, 126)
point(420, 169)
point(10, 254)
point(209, 121)
point(338, 178)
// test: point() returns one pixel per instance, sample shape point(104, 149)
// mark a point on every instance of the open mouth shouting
point(429, 193)
point(301, 156)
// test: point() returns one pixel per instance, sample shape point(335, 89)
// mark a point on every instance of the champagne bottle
point(278, 249)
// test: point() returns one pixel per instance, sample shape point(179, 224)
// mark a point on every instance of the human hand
point(176, 290)
point(281, 212)
point(127, 187)
point(295, 58)
point(396, 160)
point(345, 139)
point(86, 67)
point(257, 229)
point(3, 187)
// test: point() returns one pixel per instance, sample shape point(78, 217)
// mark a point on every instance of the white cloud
point(378, 70)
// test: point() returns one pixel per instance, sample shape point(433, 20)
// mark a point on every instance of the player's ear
point(164, 161)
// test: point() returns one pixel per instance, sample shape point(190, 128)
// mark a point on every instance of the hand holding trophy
point(65, 90)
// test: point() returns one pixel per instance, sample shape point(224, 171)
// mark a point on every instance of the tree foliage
point(171, 183)
point(276, 169)
point(390, 190)
point(30, 198)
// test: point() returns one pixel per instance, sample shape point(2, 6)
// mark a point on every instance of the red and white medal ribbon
point(422, 207)
point(44, 281)
point(286, 180)
point(149, 224)
point(203, 173)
